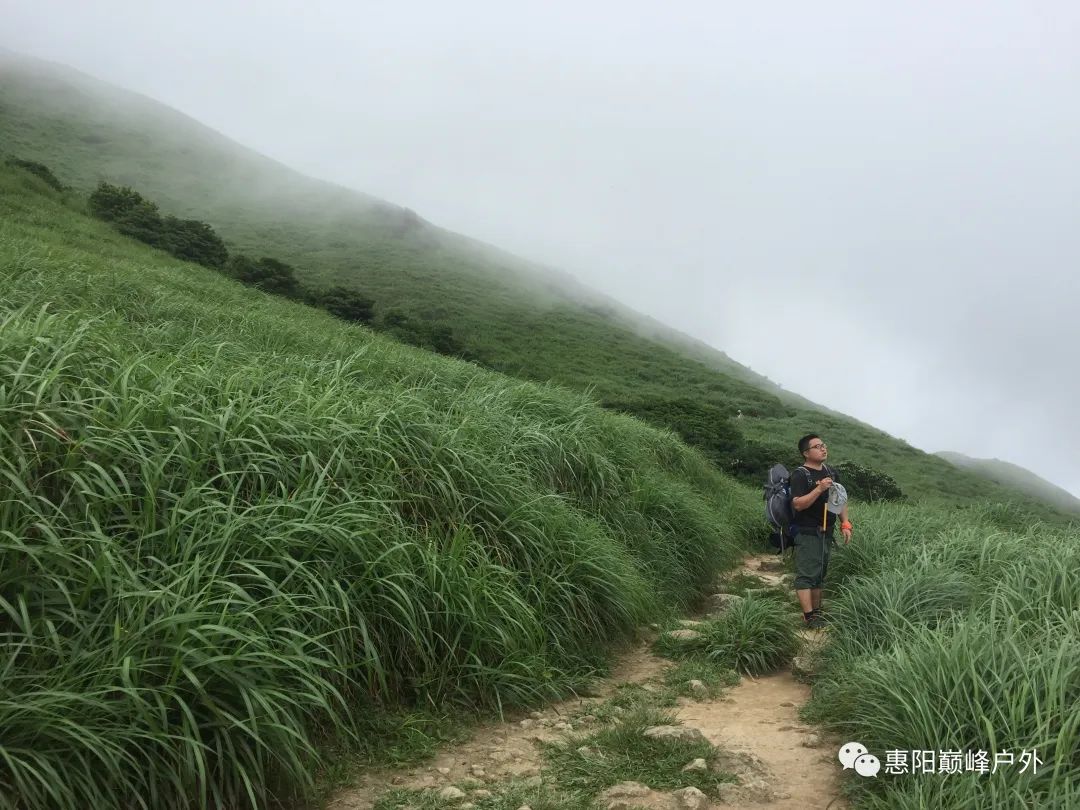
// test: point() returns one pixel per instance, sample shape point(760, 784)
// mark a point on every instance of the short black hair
point(804, 442)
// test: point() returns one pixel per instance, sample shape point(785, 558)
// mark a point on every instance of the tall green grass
point(235, 533)
point(960, 637)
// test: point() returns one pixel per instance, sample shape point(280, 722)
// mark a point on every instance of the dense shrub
point(751, 462)
point(131, 213)
point(135, 216)
point(346, 303)
point(193, 241)
point(269, 275)
point(431, 335)
point(867, 484)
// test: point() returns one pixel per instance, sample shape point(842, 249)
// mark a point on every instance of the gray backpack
point(778, 511)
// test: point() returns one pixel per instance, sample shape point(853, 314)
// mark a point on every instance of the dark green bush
point(347, 304)
point(269, 275)
point(194, 241)
point(135, 216)
point(867, 484)
point(131, 213)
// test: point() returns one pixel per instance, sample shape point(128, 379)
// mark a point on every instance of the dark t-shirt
point(802, 483)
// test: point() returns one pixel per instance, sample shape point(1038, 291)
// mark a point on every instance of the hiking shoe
point(815, 622)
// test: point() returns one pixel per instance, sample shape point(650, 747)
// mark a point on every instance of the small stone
point(692, 799)
point(524, 807)
point(684, 733)
point(626, 790)
point(482, 794)
point(444, 771)
point(533, 781)
point(478, 771)
point(470, 782)
point(757, 790)
point(787, 704)
point(698, 764)
point(527, 724)
point(536, 715)
point(684, 635)
point(720, 602)
point(563, 726)
point(451, 794)
point(690, 623)
point(727, 793)
point(698, 688)
point(811, 741)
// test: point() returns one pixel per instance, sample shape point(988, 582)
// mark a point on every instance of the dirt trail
point(781, 762)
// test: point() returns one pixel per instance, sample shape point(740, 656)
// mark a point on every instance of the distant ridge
point(1016, 477)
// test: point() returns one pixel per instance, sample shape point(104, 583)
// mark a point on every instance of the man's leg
point(808, 561)
point(826, 555)
point(805, 599)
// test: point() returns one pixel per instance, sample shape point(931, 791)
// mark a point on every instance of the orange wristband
point(845, 525)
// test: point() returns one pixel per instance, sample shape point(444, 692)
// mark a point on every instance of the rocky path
point(780, 762)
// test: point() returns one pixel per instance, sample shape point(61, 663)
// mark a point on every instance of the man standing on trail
point(815, 522)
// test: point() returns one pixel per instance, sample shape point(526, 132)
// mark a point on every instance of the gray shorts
point(812, 553)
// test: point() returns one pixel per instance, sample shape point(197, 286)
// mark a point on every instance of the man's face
point(816, 450)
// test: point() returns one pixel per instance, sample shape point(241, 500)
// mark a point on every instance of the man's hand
point(824, 484)
point(847, 534)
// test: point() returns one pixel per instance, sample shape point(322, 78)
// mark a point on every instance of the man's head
point(813, 448)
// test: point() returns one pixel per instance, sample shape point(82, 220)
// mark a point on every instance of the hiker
point(814, 525)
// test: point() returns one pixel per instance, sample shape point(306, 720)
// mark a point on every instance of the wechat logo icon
point(854, 755)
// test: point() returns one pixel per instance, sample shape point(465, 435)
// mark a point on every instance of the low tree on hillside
point(867, 484)
point(431, 335)
point(346, 303)
point(39, 170)
point(752, 461)
point(269, 275)
point(194, 241)
point(135, 216)
point(131, 213)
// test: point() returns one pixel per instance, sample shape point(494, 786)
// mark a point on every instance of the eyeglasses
point(818, 446)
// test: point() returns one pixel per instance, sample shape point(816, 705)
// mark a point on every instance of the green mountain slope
point(237, 533)
point(512, 315)
point(1014, 477)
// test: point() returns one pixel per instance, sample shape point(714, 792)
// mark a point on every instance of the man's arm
point(845, 524)
point(805, 498)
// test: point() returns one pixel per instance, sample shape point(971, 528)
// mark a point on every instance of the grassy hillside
point(1016, 478)
point(956, 637)
point(238, 531)
point(510, 315)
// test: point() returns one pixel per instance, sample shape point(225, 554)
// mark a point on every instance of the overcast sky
point(872, 203)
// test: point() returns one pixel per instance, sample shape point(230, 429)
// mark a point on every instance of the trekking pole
point(824, 516)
